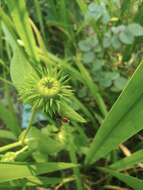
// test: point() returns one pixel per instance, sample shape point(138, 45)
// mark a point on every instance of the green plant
point(67, 66)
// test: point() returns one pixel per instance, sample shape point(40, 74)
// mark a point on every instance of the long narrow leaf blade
point(26, 170)
point(20, 17)
point(124, 120)
point(129, 161)
point(133, 182)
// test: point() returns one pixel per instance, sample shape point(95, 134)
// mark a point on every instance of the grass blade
point(20, 18)
point(24, 170)
point(39, 17)
point(91, 86)
point(133, 182)
point(129, 161)
point(124, 120)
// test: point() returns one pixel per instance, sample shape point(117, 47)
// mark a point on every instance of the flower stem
point(10, 146)
point(29, 125)
point(76, 170)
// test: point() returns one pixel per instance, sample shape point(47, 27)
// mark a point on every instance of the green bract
point(46, 91)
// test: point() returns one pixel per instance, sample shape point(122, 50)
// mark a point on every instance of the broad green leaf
point(116, 44)
point(126, 37)
point(136, 29)
point(88, 57)
point(9, 120)
point(84, 46)
point(120, 82)
point(20, 18)
point(42, 142)
point(123, 121)
point(129, 161)
point(133, 182)
point(25, 170)
point(20, 69)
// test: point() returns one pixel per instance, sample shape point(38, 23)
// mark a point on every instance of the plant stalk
point(29, 125)
point(76, 170)
point(10, 146)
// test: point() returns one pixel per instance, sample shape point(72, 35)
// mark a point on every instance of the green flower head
point(46, 91)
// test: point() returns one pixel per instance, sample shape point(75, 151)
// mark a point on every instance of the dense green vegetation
point(71, 94)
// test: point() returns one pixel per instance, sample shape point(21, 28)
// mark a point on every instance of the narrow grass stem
point(10, 146)
point(76, 170)
point(94, 90)
point(29, 125)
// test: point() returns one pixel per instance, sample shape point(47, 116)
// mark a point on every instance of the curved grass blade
point(25, 170)
point(133, 182)
point(87, 80)
point(128, 162)
point(123, 121)
point(20, 18)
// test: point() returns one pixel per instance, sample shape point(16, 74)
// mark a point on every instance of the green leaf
point(126, 37)
point(84, 46)
point(32, 181)
point(4, 134)
point(68, 111)
point(87, 80)
point(123, 121)
point(120, 83)
point(133, 182)
point(25, 170)
point(20, 18)
point(36, 181)
point(9, 119)
point(94, 11)
point(88, 57)
point(107, 40)
point(83, 108)
point(129, 161)
point(116, 44)
point(136, 29)
point(42, 142)
point(20, 69)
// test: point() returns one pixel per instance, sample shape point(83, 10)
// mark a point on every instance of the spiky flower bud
point(48, 91)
